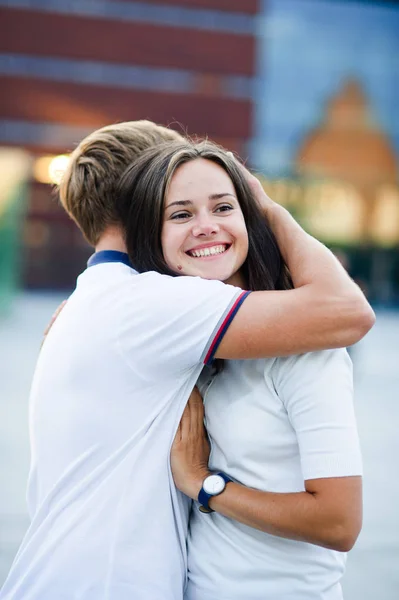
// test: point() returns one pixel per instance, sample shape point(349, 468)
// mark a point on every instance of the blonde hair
point(89, 186)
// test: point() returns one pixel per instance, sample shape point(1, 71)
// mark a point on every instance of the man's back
point(110, 385)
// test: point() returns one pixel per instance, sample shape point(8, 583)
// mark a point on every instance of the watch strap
point(204, 497)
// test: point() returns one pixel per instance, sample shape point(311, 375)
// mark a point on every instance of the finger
point(261, 197)
point(239, 164)
point(54, 317)
point(177, 437)
point(195, 404)
point(252, 180)
point(196, 413)
point(195, 397)
point(185, 422)
point(237, 160)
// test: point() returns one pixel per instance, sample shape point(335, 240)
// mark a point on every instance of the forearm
point(328, 291)
point(313, 265)
point(308, 260)
point(298, 516)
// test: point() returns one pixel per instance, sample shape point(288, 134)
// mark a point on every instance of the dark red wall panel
point(233, 144)
point(42, 34)
point(39, 100)
point(251, 7)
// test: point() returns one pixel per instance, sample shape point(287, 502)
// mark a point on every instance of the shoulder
point(312, 369)
point(312, 360)
point(188, 291)
point(183, 283)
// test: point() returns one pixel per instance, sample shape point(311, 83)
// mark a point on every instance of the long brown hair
point(141, 195)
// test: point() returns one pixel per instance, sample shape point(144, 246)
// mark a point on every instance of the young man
point(115, 373)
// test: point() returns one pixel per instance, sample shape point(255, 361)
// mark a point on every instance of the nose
point(205, 226)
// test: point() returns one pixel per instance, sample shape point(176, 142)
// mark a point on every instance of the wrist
point(213, 486)
point(194, 485)
point(274, 214)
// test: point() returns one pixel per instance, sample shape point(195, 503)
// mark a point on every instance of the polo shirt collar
point(107, 256)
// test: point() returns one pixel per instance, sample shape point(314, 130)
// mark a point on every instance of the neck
point(238, 280)
point(111, 239)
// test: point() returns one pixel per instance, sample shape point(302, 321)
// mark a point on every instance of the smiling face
point(204, 232)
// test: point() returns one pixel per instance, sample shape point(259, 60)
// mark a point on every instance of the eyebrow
point(188, 202)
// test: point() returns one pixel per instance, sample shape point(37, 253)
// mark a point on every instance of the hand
point(265, 203)
point(53, 319)
point(190, 450)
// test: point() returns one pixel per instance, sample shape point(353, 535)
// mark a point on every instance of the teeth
point(208, 251)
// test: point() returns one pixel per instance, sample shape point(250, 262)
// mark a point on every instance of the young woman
point(287, 504)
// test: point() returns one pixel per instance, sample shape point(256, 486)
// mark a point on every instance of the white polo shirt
point(111, 383)
point(273, 424)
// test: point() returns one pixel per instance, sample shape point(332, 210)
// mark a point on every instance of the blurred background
point(305, 91)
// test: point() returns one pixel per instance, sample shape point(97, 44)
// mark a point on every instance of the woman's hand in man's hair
point(265, 202)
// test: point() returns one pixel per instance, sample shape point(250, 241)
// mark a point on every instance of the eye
point(180, 215)
point(224, 208)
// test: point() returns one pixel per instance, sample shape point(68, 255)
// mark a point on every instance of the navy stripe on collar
point(106, 256)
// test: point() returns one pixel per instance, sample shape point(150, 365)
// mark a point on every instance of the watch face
point(214, 484)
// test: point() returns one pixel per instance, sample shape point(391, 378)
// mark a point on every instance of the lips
point(213, 250)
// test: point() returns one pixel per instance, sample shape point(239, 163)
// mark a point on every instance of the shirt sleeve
point(317, 391)
point(182, 323)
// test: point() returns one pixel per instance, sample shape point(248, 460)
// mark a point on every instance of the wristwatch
point(213, 485)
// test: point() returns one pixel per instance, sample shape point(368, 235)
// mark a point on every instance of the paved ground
point(373, 566)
